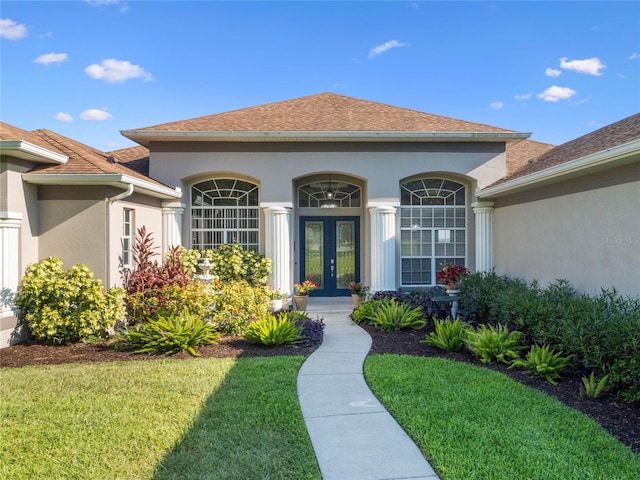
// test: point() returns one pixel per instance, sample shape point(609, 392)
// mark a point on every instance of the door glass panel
point(346, 253)
point(314, 252)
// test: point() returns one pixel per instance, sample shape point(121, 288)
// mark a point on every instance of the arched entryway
point(329, 213)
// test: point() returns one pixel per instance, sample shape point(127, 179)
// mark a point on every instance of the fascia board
point(31, 152)
point(618, 155)
point(145, 137)
point(114, 179)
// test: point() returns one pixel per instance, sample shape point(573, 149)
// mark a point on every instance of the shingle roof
point(83, 159)
point(519, 154)
point(613, 135)
point(136, 158)
point(9, 132)
point(324, 112)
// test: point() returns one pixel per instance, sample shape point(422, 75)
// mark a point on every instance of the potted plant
point(450, 276)
point(358, 292)
point(301, 293)
point(276, 299)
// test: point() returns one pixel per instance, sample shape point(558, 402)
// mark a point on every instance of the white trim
point(114, 179)
point(144, 137)
point(580, 166)
point(30, 151)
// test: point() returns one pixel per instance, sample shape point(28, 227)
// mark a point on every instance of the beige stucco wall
point(378, 168)
point(586, 230)
point(382, 165)
point(147, 213)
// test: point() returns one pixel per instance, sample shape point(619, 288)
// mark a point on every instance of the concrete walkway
point(353, 435)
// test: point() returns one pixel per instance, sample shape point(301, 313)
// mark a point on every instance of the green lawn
point(240, 419)
point(164, 419)
point(474, 423)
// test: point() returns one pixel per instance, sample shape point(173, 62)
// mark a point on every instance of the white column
point(171, 225)
point(383, 248)
point(278, 246)
point(484, 235)
point(10, 223)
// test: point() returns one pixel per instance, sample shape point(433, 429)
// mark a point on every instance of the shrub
point(543, 361)
point(172, 334)
point(593, 388)
point(366, 311)
point(236, 304)
point(172, 300)
point(489, 343)
point(391, 315)
point(312, 330)
point(273, 330)
point(147, 284)
point(231, 262)
point(448, 336)
point(63, 307)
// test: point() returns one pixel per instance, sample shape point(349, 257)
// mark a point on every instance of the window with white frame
point(225, 210)
point(128, 217)
point(432, 228)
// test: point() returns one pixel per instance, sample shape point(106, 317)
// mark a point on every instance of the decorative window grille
point(432, 229)
point(225, 210)
point(127, 236)
point(329, 194)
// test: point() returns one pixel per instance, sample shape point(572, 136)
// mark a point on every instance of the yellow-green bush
point(63, 307)
point(237, 303)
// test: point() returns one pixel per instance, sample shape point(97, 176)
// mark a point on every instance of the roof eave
point(145, 137)
point(111, 179)
point(614, 156)
point(31, 152)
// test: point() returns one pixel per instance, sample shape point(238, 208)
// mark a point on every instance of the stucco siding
point(73, 227)
point(586, 231)
point(382, 165)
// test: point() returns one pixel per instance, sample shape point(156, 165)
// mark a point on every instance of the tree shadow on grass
point(251, 427)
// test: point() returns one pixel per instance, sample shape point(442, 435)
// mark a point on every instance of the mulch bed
point(616, 416)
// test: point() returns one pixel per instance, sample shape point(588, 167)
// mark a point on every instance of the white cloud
point(124, 6)
point(634, 56)
point(496, 105)
point(384, 47)
point(554, 94)
point(95, 114)
point(117, 71)
point(552, 72)
point(11, 30)
point(48, 58)
point(64, 117)
point(525, 96)
point(591, 66)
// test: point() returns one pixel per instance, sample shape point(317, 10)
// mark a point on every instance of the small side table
point(452, 299)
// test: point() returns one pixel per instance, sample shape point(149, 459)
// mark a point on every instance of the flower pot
point(275, 305)
point(357, 299)
point(300, 302)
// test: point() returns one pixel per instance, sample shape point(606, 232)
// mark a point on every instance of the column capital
point(480, 207)
point(171, 206)
point(382, 209)
point(275, 209)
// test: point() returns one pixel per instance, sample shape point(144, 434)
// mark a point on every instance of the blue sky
point(88, 69)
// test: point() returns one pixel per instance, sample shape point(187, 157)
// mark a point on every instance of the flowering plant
point(451, 274)
point(358, 288)
point(304, 288)
point(277, 295)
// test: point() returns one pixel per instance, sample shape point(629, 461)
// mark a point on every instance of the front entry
point(330, 255)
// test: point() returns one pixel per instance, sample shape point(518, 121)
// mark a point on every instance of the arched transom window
point(225, 210)
point(329, 193)
point(432, 228)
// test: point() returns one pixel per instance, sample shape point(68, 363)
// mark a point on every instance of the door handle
point(332, 267)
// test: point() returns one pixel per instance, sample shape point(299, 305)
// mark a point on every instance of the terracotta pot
point(357, 299)
point(300, 301)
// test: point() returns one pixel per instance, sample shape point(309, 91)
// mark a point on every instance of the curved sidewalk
point(353, 435)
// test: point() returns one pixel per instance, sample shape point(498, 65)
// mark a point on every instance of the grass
point(474, 423)
point(240, 419)
point(164, 419)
